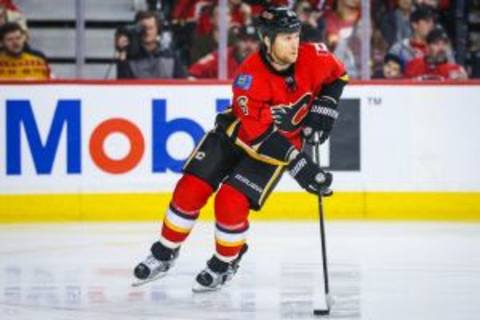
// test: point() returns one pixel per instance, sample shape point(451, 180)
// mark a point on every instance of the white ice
point(378, 271)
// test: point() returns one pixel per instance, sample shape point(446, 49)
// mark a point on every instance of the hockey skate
point(156, 265)
point(217, 273)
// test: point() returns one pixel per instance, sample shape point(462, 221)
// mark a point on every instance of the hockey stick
point(322, 312)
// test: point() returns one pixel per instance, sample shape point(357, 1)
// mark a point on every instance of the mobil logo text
point(44, 145)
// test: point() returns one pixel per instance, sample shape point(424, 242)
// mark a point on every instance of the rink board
point(109, 151)
point(452, 206)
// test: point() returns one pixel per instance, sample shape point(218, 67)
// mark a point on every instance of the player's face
point(14, 42)
point(285, 47)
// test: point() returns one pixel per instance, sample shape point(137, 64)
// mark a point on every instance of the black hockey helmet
point(275, 20)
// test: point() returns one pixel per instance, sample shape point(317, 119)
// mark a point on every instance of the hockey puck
point(319, 312)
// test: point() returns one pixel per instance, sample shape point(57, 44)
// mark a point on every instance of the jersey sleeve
point(337, 69)
point(328, 68)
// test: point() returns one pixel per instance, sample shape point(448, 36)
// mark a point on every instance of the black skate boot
point(217, 273)
point(156, 265)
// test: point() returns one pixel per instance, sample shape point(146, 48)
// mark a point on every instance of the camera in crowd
point(133, 34)
point(149, 27)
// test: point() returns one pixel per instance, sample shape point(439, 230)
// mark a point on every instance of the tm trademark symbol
point(374, 101)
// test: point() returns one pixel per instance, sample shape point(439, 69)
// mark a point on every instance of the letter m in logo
point(67, 114)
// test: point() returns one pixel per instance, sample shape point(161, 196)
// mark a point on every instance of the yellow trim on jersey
point(345, 78)
point(232, 127)
point(257, 156)
point(278, 170)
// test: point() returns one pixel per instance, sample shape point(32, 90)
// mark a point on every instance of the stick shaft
point(316, 159)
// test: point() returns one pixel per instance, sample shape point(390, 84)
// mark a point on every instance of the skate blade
point(138, 282)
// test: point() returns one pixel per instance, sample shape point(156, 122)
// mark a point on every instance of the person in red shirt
point(422, 22)
point(246, 44)
point(185, 11)
point(283, 94)
point(340, 23)
point(435, 64)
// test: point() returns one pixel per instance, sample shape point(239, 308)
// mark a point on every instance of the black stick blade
point(319, 312)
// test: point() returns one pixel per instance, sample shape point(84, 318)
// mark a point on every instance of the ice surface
point(378, 271)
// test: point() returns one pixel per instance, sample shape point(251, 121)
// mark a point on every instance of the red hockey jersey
point(258, 88)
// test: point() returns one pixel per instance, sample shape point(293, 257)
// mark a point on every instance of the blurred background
point(198, 39)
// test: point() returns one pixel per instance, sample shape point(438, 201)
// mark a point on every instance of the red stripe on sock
point(172, 235)
point(228, 251)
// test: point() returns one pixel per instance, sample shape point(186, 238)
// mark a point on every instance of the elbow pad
point(334, 90)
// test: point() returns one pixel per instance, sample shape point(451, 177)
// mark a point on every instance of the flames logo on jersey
point(289, 117)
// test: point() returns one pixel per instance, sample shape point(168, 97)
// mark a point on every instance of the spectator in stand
point(17, 60)
point(435, 65)
point(184, 18)
point(9, 12)
point(422, 22)
point(164, 7)
point(206, 38)
point(258, 6)
point(392, 68)
point(348, 50)
point(141, 53)
point(187, 11)
point(378, 50)
point(341, 22)
point(395, 24)
point(240, 12)
point(246, 44)
point(312, 26)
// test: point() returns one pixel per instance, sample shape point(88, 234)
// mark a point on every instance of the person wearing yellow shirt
point(17, 60)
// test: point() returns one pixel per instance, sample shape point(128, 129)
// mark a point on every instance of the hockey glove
point(319, 121)
point(282, 116)
point(308, 175)
point(224, 119)
point(286, 117)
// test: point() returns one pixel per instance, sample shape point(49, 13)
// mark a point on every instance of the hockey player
point(282, 94)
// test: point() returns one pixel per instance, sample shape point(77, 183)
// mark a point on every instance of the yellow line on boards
point(429, 206)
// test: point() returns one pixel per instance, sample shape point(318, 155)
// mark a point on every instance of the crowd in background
point(18, 61)
point(179, 39)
